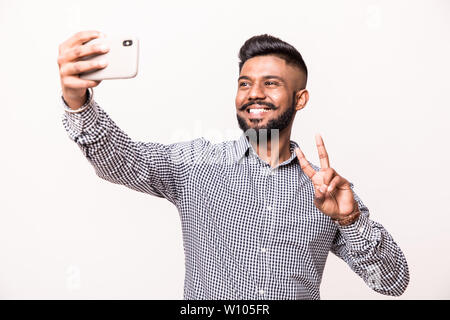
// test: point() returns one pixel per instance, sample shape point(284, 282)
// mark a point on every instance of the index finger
point(304, 164)
point(323, 155)
point(81, 37)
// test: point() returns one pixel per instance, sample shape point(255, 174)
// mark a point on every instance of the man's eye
point(244, 84)
point(271, 83)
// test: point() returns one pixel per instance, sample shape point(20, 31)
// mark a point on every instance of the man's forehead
point(265, 65)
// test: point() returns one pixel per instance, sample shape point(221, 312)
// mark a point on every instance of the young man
point(258, 219)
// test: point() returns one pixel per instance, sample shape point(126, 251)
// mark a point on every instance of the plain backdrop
point(379, 94)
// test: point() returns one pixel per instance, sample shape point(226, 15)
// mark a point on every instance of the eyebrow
point(265, 77)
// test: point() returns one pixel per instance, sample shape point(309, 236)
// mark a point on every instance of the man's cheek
point(278, 96)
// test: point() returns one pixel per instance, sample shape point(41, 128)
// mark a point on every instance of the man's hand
point(333, 195)
point(70, 51)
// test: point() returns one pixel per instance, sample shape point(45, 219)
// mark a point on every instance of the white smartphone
point(122, 58)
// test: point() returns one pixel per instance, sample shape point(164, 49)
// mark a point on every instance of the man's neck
point(276, 150)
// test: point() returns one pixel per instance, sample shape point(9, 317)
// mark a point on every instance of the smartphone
point(122, 58)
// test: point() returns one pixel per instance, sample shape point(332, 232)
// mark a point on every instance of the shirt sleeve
point(372, 253)
point(157, 169)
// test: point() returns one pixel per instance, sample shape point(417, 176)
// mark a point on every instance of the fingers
point(304, 164)
point(80, 38)
point(331, 182)
point(319, 197)
point(70, 65)
point(77, 83)
point(323, 155)
point(75, 68)
point(80, 52)
point(327, 174)
point(338, 183)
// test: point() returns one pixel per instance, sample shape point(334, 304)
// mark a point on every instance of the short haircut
point(265, 44)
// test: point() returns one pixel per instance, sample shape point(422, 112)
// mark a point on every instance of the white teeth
point(258, 110)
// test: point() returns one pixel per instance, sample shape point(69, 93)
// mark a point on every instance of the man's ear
point(301, 98)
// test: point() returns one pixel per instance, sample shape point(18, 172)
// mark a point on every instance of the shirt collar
point(243, 148)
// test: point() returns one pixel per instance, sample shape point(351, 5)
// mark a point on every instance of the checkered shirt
point(249, 231)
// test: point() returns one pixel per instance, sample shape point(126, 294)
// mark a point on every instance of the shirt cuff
point(79, 120)
point(358, 234)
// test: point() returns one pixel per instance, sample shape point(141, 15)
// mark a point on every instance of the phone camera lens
point(127, 43)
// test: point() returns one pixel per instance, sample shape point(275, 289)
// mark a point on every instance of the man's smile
point(258, 112)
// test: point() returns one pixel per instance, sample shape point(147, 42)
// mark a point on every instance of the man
point(258, 219)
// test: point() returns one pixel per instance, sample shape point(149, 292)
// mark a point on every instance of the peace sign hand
point(333, 195)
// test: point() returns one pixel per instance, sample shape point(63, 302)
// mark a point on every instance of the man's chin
point(257, 126)
point(260, 132)
point(246, 124)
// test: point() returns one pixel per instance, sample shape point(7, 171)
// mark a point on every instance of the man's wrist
point(350, 218)
point(89, 97)
point(80, 120)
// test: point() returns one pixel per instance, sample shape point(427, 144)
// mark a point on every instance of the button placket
point(270, 212)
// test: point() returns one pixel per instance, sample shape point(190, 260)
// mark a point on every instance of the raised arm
point(154, 168)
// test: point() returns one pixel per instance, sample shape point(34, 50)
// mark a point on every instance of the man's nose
point(256, 92)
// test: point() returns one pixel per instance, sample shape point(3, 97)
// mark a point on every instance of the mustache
point(248, 104)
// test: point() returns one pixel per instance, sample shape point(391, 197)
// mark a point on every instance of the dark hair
point(268, 45)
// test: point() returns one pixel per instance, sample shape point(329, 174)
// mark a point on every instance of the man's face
point(266, 96)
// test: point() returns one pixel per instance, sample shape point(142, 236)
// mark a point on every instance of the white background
point(379, 93)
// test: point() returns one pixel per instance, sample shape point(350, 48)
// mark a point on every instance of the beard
point(280, 123)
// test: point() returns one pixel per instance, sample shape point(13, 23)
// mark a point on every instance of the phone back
point(122, 58)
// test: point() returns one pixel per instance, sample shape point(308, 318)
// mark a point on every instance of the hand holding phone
point(70, 66)
point(86, 53)
point(122, 58)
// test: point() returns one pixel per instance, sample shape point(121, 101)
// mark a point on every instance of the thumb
point(319, 198)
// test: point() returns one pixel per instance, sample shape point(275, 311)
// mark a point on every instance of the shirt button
point(263, 250)
point(269, 208)
point(261, 291)
point(361, 230)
